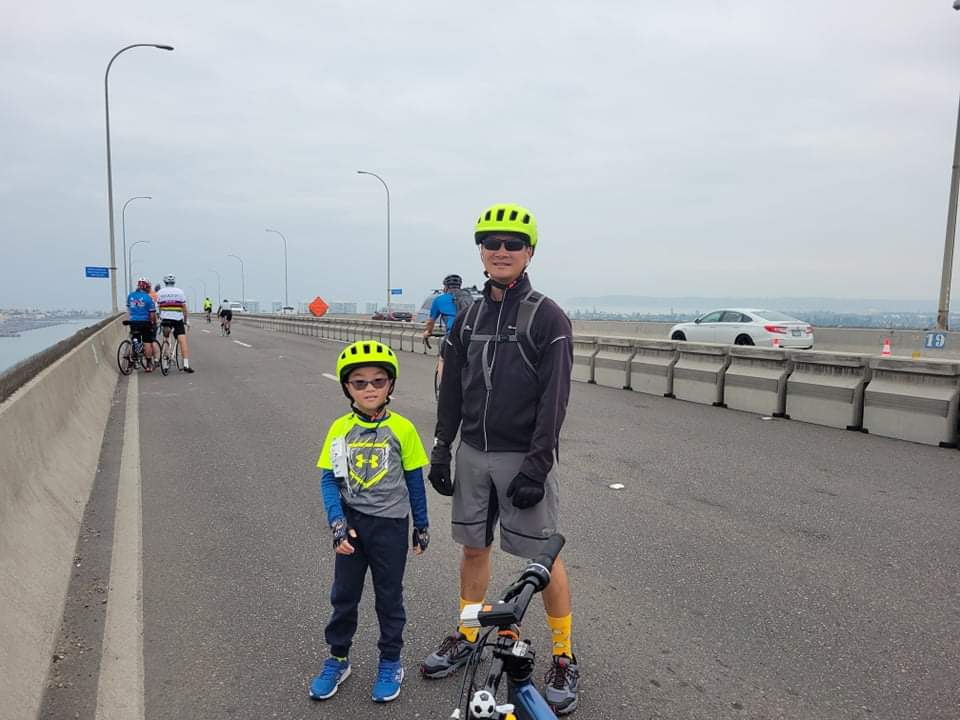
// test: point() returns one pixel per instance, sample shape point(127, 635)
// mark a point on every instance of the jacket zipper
point(486, 401)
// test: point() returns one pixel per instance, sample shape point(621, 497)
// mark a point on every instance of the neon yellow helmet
point(506, 217)
point(364, 353)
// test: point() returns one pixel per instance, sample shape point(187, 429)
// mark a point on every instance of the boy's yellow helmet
point(364, 353)
point(506, 217)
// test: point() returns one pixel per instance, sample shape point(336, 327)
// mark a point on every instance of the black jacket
point(524, 409)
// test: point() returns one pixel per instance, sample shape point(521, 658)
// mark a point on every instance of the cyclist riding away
point(207, 307)
point(173, 315)
point(505, 389)
point(143, 319)
point(446, 306)
point(226, 316)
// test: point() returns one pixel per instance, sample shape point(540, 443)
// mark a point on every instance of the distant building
point(369, 308)
point(276, 306)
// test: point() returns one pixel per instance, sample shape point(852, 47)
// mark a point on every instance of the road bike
point(438, 370)
point(169, 357)
point(511, 656)
point(130, 354)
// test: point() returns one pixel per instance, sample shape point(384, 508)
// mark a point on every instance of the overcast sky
point(719, 147)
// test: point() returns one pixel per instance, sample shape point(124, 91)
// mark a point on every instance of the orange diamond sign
point(318, 307)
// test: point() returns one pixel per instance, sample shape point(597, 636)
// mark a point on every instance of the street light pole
point(123, 217)
point(946, 274)
point(106, 102)
point(219, 290)
point(129, 268)
point(365, 172)
point(243, 288)
point(286, 285)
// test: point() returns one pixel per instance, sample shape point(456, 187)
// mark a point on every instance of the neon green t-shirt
point(377, 454)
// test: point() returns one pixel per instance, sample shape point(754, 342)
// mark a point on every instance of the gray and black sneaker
point(562, 685)
point(453, 653)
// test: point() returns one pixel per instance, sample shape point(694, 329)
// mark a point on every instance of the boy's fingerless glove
point(421, 538)
point(340, 532)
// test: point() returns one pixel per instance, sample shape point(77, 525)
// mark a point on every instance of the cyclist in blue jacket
point(143, 319)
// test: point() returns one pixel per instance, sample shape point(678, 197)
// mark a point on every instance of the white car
point(738, 326)
point(234, 306)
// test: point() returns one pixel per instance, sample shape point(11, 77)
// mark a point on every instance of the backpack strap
point(529, 305)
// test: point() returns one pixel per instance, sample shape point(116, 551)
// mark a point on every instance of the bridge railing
point(907, 398)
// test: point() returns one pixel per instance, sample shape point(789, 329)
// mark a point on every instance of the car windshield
point(777, 316)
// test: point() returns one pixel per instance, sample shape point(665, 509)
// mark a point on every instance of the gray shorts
point(480, 499)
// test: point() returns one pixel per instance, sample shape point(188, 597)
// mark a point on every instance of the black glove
point(525, 491)
point(421, 538)
point(439, 475)
point(340, 532)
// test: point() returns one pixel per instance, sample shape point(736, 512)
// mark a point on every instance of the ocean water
point(13, 350)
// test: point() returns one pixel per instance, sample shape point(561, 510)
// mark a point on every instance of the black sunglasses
point(378, 383)
point(493, 244)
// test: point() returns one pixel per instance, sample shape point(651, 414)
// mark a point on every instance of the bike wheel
point(436, 383)
point(176, 354)
point(165, 358)
point(124, 357)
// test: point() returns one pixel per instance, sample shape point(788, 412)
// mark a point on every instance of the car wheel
point(743, 340)
point(678, 335)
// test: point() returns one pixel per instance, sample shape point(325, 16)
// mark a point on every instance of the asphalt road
point(748, 568)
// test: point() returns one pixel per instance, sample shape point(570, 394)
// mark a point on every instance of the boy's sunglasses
point(494, 244)
point(378, 383)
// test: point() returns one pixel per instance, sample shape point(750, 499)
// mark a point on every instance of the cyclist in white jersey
point(172, 303)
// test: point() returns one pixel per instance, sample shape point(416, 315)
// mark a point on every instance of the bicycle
point(207, 313)
point(438, 370)
point(511, 656)
point(130, 354)
point(167, 357)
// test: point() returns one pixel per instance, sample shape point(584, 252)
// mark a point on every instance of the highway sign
point(97, 272)
point(935, 341)
point(396, 291)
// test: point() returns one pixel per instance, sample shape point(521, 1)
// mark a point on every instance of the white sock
point(186, 362)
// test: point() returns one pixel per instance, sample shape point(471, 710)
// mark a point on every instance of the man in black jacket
point(505, 388)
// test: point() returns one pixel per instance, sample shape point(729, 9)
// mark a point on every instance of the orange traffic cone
point(776, 343)
point(886, 348)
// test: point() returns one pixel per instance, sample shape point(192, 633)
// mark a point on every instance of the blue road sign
point(396, 291)
point(935, 341)
point(97, 272)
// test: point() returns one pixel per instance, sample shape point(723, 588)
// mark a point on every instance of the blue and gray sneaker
point(453, 653)
point(562, 685)
point(389, 677)
point(326, 683)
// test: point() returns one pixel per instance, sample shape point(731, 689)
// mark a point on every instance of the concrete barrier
point(698, 374)
point(913, 400)
point(51, 431)
point(411, 337)
point(651, 368)
point(827, 388)
point(611, 363)
point(756, 380)
point(584, 350)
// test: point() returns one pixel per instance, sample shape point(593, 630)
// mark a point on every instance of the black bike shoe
point(561, 683)
point(188, 369)
point(453, 653)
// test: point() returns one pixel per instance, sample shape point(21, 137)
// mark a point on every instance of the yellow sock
point(470, 634)
point(562, 630)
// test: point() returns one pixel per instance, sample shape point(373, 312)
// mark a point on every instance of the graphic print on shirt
point(369, 462)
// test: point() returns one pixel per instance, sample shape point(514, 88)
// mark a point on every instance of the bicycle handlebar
point(511, 608)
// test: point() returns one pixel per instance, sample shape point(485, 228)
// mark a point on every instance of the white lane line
point(207, 332)
point(332, 377)
point(242, 343)
point(120, 688)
